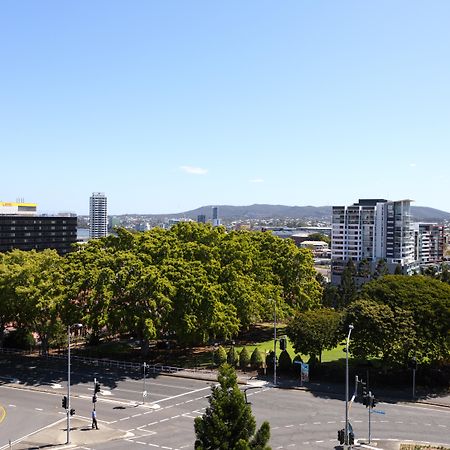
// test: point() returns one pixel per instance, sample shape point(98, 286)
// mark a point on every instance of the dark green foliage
point(347, 289)
point(419, 308)
point(21, 339)
point(220, 356)
point(311, 332)
point(381, 269)
point(228, 423)
point(398, 269)
point(257, 359)
point(232, 357)
point(284, 361)
point(244, 358)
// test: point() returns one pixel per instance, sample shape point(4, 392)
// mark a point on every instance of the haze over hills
point(262, 211)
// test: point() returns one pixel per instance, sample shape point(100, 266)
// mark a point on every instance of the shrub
point(244, 358)
point(232, 357)
point(220, 356)
point(21, 339)
point(256, 360)
point(284, 361)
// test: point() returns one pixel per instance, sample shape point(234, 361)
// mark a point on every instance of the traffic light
point(64, 402)
point(373, 402)
point(283, 343)
point(364, 388)
point(94, 398)
point(351, 438)
point(72, 412)
point(96, 388)
point(341, 436)
point(366, 400)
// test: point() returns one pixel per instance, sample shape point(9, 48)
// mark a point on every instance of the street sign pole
point(370, 411)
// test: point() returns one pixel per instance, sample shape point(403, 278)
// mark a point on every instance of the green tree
point(228, 423)
point(380, 332)
point(285, 361)
point(244, 358)
point(220, 356)
point(427, 301)
point(381, 269)
point(311, 332)
point(256, 359)
point(347, 288)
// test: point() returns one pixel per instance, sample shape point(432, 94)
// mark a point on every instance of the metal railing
point(154, 368)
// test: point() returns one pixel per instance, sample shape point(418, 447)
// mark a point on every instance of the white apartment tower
point(372, 229)
point(98, 215)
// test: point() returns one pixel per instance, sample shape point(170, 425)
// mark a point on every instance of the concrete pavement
point(81, 434)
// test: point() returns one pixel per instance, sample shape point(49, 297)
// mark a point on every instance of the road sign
point(304, 372)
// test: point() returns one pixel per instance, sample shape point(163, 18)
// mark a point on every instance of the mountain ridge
point(266, 211)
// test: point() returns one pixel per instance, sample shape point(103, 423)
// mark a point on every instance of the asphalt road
point(31, 397)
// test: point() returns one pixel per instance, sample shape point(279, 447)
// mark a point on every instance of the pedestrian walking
point(94, 419)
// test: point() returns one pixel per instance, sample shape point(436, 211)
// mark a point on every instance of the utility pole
point(350, 328)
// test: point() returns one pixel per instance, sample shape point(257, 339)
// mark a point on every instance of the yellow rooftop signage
point(17, 204)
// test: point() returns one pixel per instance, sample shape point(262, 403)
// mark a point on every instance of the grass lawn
point(267, 346)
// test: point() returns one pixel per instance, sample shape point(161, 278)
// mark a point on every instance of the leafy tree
point(256, 359)
point(244, 358)
point(285, 361)
point(313, 331)
point(364, 268)
point(381, 269)
point(228, 422)
point(232, 357)
point(398, 269)
point(347, 289)
point(427, 301)
point(379, 331)
point(220, 356)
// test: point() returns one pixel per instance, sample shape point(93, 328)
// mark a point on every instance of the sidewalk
point(81, 433)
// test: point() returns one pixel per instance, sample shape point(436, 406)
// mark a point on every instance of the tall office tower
point(370, 230)
point(201, 218)
point(215, 216)
point(98, 214)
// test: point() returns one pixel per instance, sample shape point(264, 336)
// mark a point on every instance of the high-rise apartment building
point(372, 229)
point(429, 243)
point(215, 216)
point(98, 215)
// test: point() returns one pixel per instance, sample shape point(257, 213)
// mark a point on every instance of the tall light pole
point(350, 328)
point(69, 327)
point(274, 342)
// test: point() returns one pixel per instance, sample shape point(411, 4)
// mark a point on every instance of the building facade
point(98, 215)
point(429, 239)
point(370, 230)
point(21, 228)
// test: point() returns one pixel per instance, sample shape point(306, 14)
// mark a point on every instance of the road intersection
point(298, 418)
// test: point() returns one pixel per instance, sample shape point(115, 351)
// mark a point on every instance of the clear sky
point(168, 105)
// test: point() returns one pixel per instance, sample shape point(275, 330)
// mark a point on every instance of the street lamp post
point(350, 328)
point(69, 327)
point(274, 342)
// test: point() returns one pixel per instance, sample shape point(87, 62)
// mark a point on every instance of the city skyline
point(167, 107)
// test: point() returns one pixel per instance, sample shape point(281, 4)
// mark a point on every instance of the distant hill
point(261, 211)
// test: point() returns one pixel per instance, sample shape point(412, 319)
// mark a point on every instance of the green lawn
point(267, 346)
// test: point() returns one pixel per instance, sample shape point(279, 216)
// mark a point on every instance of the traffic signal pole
point(370, 411)
point(68, 385)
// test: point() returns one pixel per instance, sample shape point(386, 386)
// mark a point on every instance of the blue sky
point(170, 105)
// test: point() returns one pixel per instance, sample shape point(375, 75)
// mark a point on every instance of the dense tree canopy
point(193, 283)
point(313, 331)
point(418, 311)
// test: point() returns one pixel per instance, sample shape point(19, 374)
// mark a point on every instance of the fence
point(152, 368)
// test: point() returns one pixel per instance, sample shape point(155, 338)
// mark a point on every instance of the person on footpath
point(94, 419)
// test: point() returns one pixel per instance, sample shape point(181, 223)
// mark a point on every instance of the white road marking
point(185, 393)
point(12, 406)
point(38, 409)
point(137, 415)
